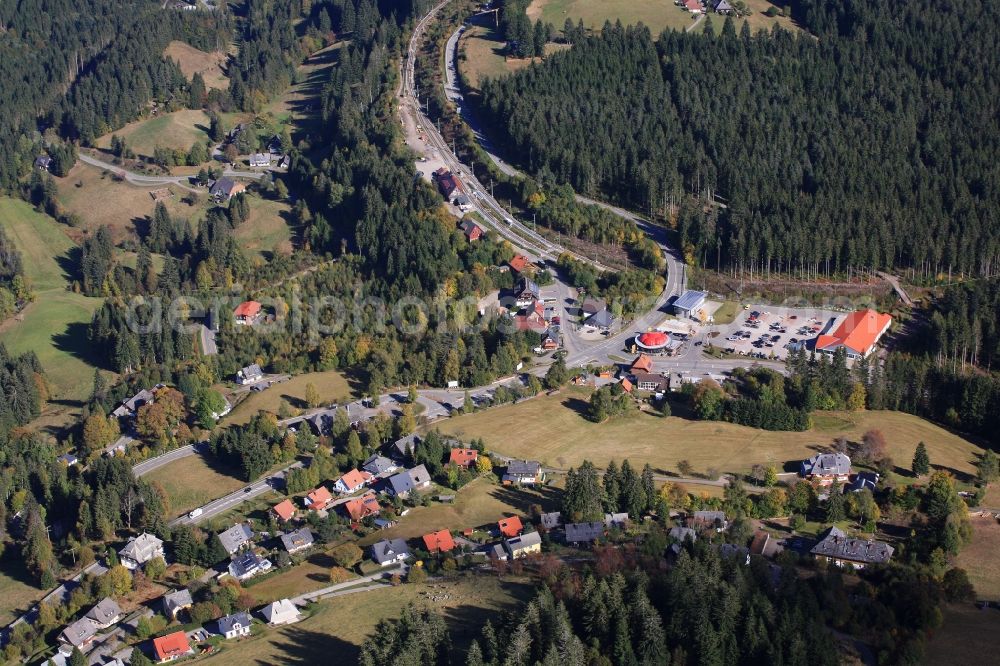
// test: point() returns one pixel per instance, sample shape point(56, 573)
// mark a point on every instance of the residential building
point(439, 542)
point(708, 520)
point(298, 540)
point(260, 160)
point(130, 408)
point(106, 613)
point(383, 523)
point(531, 320)
point(352, 481)
point(360, 508)
point(284, 510)
point(682, 534)
point(252, 373)
point(825, 468)
point(235, 625)
point(619, 520)
point(741, 553)
point(863, 481)
point(139, 550)
point(842, 550)
point(550, 521)
point(463, 202)
point(176, 601)
point(377, 465)
point(642, 364)
point(236, 537)
point(68, 459)
point(247, 313)
point(402, 484)
point(690, 302)
point(225, 189)
point(472, 231)
point(693, 6)
point(247, 565)
point(172, 646)
point(281, 612)
point(463, 457)
point(523, 472)
point(601, 319)
point(80, 634)
point(497, 552)
point(580, 533)
point(447, 183)
point(510, 527)
point(723, 7)
point(526, 292)
point(592, 305)
point(651, 381)
point(318, 499)
point(524, 545)
point(858, 334)
point(626, 384)
point(403, 448)
point(387, 552)
point(43, 162)
point(518, 263)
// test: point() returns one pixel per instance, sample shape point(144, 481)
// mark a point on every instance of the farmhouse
point(857, 334)
point(235, 625)
point(439, 542)
point(318, 499)
point(280, 612)
point(284, 510)
point(688, 303)
point(524, 545)
point(175, 602)
point(510, 527)
point(463, 457)
point(260, 160)
point(388, 552)
point(252, 373)
point(838, 548)
point(140, 549)
point(723, 7)
point(298, 540)
point(247, 313)
point(248, 565)
point(523, 472)
point(825, 468)
point(225, 189)
point(351, 481)
point(472, 231)
point(236, 537)
point(172, 646)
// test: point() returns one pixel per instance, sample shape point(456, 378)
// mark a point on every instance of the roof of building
point(709, 516)
point(642, 363)
point(626, 384)
point(406, 445)
point(354, 479)
point(550, 520)
point(863, 481)
point(224, 186)
point(510, 527)
point(105, 611)
point(233, 622)
point(723, 6)
point(247, 309)
point(858, 332)
point(177, 600)
point(79, 632)
point(524, 541)
point(827, 464)
point(526, 286)
point(171, 646)
point(261, 157)
point(600, 319)
point(253, 370)
point(518, 263)
point(387, 550)
point(471, 229)
point(362, 507)
point(462, 200)
point(377, 464)
point(592, 304)
point(318, 497)
point(651, 378)
point(689, 300)
point(759, 543)
point(653, 339)
point(280, 611)
point(683, 534)
point(616, 519)
point(43, 161)
point(523, 468)
point(836, 544)
point(68, 459)
point(583, 532)
point(236, 537)
point(142, 547)
point(439, 542)
point(447, 182)
point(464, 457)
point(248, 564)
point(284, 509)
point(300, 538)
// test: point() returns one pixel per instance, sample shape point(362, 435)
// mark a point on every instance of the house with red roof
point(472, 231)
point(352, 481)
point(857, 334)
point(362, 507)
point(518, 263)
point(247, 313)
point(693, 6)
point(463, 457)
point(626, 384)
point(172, 646)
point(318, 499)
point(510, 527)
point(642, 363)
point(284, 510)
point(439, 542)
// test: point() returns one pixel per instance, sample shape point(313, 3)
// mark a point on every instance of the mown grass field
point(266, 230)
point(981, 559)
point(481, 56)
point(341, 624)
point(192, 61)
point(17, 593)
point(191, 482)
point(553, 429)
point(967, 636)
point(299, 100)
point(178, 130)
point(312, 574)
point(54, 325)
point(332, 387)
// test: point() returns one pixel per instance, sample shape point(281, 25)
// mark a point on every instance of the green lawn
point(266, 230)
point(190, 482)
point(16, 592)
point(178, 130)
point(54, 326)
point(552, 429)
point(980, 558)
point(966, 636)
point(332, 387)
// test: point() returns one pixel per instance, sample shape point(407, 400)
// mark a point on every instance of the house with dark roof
point(463, 202)
point(550, 521)
point(525, 292)
point(825, 468)
point(235, 625)
point(592, 305)
point(723, 7)
point(863, 481)
point(523, 472)
point(106, 613)
point(252, 373)
point(438, 542)
point(225, 189)
point(130, 408)
point(176, 601)
point(236, 537)
point(377, 465)
point(68, 459)
point(298, 540)
point(447, 183)
point(79, 634)
point(731, 550)
point(472, 231)
point(260, 160)
point(390, 551)
point(403, 448)
point(247, 565)
point(838, 548)
point(172, 646)
point(581, 533)
point(619, 520)
point(402, 484)
point(43, 162)
point(601, 319)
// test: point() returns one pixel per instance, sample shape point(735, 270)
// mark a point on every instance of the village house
point(284, 510)
point(858, 334)
point(352, 481)
point(318, 499)
point(106, 613)
point(524, 545)
point(280, 612)
point(679, 535)
point(602, 319)
point(550, 340)
point(447, 184)
point(252, 373)
point(463, 457)
point(260, 160)
point(863, 481)
point(247, 313)
point(130, 408)
point(404, 448)
point(360, 508)
point(550, 521)
point(463, 202)
point(510, 527)
point(523, 472)
point(298, 540)
point(402, 484)
point(525, 292)
point(708, 520)
point(68, 459)
point(438, 542)
point(139, 550)
point(225, 189)
point(176, 601)
point(236, 537)
point(693, 6)
point(79, 634)
point(626, 384)
point(518, 263)
point(378, 466)
point(234, 626)
point(641, 365)
point(591, 305)
point(651, 382)
point(838, 548)
point(584, 533)
point(825, 468)
point(472, 231)
point(618, 520)
point(172, 646)
point(247, 565)
point(43, 162)
point(388, 552)
point(531, 320)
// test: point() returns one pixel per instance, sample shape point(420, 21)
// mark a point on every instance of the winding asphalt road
point(142, 179)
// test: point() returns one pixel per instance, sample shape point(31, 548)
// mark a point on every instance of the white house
point(235, 625)
point(281, 612)
point(140, 549)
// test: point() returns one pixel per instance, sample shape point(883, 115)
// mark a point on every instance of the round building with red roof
point(652, 340)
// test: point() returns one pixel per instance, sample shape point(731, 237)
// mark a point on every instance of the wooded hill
point(869, 143)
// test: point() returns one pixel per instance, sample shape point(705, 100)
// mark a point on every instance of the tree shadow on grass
point(577, 405)
point(74, 341)
point(301, 646)
point(523, 499)
point(69, 263)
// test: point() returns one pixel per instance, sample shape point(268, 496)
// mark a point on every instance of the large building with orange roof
point(439, 542)
point(284, 510)
point(362, 507)
point(172, 646)
point(510, 527)
point(857, 334)
point(463, 457)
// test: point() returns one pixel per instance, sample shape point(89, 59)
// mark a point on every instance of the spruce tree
point(921, 460)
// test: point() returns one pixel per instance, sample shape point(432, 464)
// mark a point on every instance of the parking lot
point(770, 332)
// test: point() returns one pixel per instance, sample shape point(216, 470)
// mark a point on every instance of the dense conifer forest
point(869, 142)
